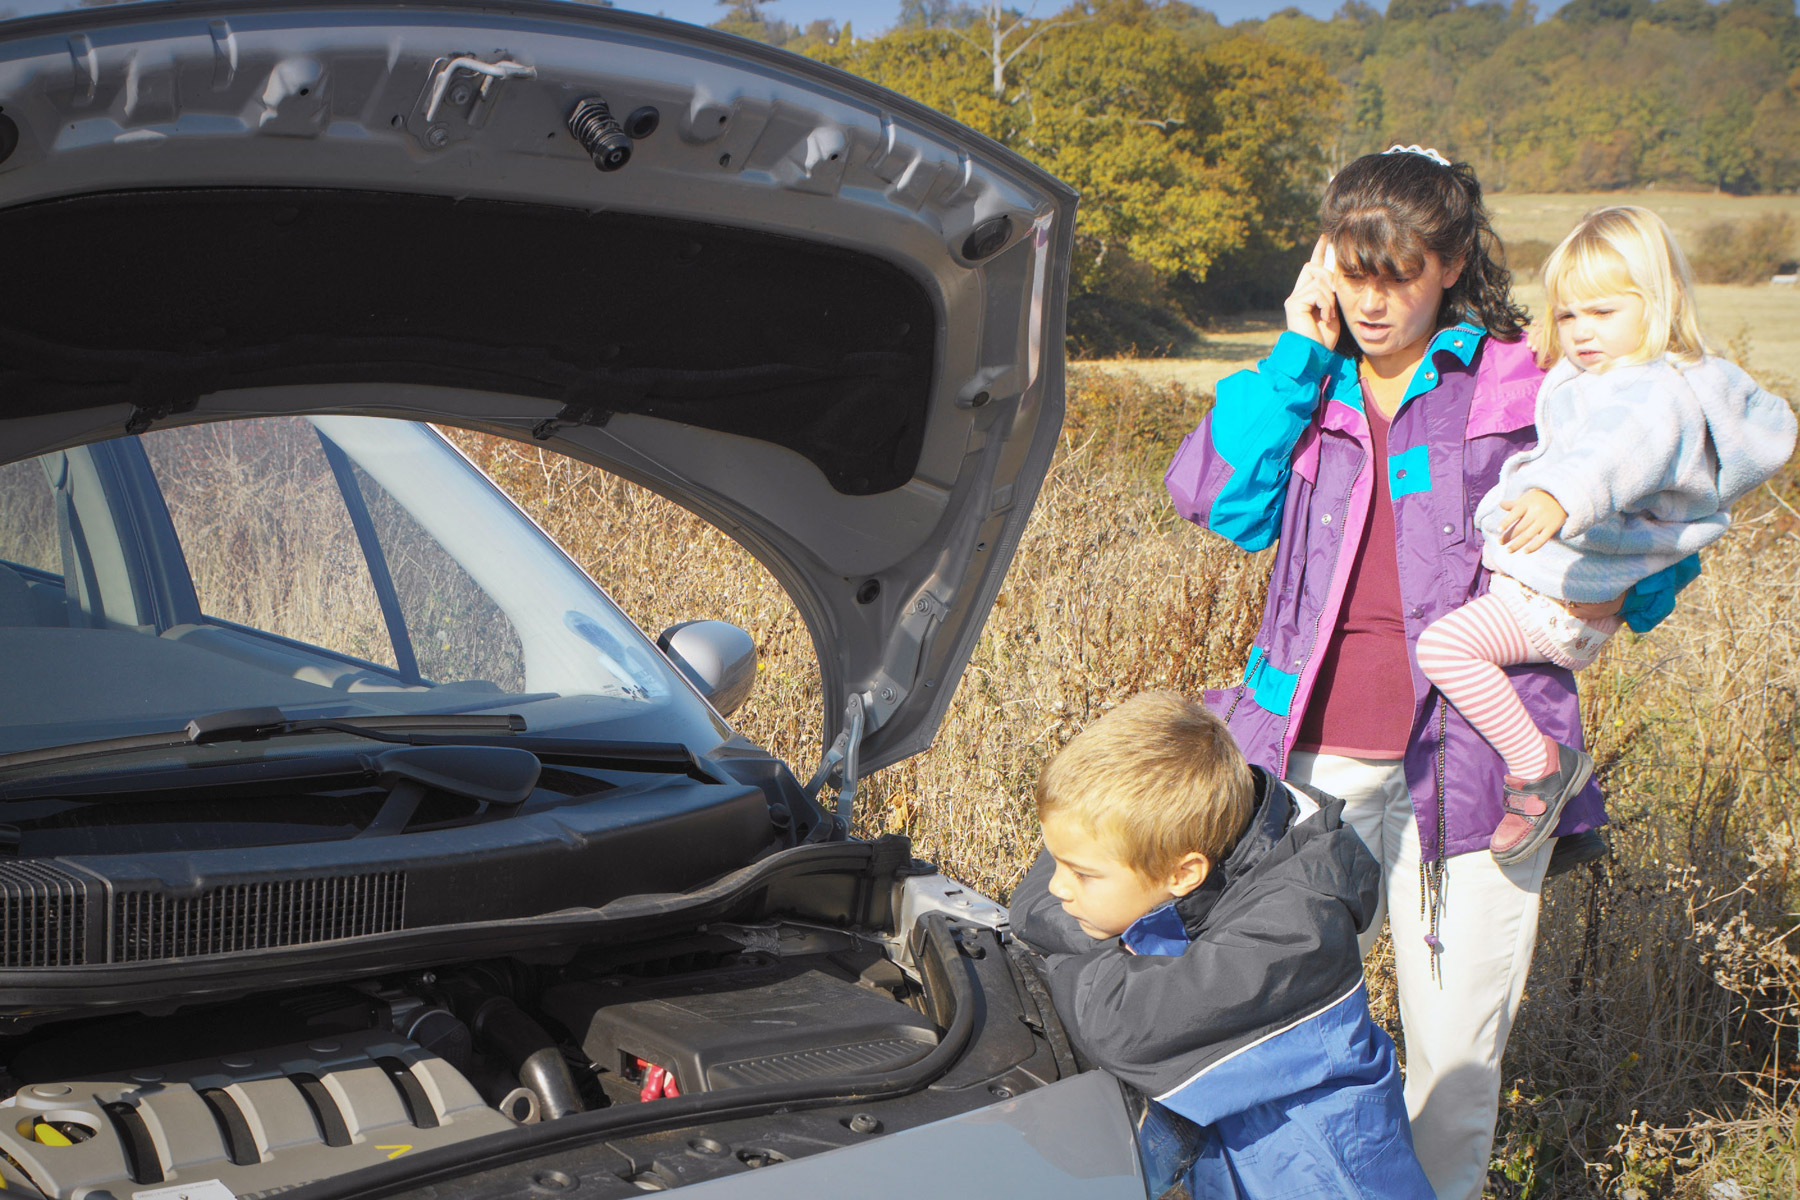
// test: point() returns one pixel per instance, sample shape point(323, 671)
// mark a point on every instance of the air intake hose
point(521, 1041)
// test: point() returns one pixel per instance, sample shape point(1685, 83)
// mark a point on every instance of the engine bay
point(719, 1048)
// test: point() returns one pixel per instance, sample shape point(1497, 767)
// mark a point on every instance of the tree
point(747, 19)
point(1182, 155)
point(1683, 16)
point(934, 67)
point(937, 14)
point(1420, 10)
point(1595, 12)
point(993, 32)
point(1775, 141)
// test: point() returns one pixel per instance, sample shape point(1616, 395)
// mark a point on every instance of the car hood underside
point(817, 314)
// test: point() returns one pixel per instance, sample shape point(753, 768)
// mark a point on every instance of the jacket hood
point(1277, 833)
point(817, 314)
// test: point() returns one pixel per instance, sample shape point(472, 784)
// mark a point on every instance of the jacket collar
point(1458, 343)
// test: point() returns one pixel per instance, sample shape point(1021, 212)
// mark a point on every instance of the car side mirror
point(718, 658)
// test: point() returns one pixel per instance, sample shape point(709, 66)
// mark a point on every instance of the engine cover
point(253, 1122)
point(777, 1023)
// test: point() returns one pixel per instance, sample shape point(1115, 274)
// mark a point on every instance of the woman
point(1362, 445)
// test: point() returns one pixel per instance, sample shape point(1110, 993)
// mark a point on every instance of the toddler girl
point(1644, 440)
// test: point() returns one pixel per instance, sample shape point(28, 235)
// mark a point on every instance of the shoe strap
point(1525, 804)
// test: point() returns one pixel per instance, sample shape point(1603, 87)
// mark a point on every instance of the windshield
point(336, 567)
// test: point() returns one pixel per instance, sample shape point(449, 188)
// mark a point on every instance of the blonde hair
point(1624, 249)
point(1156, 778)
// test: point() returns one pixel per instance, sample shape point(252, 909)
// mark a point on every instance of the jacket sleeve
point(1231, 473)
point(1651, 600)
point(1038, 918)
point(1619, 453)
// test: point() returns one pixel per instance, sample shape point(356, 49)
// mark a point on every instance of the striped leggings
point(1462, 653)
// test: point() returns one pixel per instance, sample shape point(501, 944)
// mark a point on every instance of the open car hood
point(825, 318)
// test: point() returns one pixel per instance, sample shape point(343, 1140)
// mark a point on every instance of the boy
point(1233, 993)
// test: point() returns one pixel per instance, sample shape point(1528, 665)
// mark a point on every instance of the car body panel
point(815, 313)
point(894, 584)
point(1071, 1140)
point(1068, 1140)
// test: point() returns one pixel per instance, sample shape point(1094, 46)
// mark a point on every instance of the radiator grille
point(43, 916)
point(256, 916)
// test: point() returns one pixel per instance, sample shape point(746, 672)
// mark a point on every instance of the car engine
point(680, 1045)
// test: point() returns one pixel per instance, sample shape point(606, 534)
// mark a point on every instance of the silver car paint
point(198, 94)
point(249, 94)
point(1067, 1141)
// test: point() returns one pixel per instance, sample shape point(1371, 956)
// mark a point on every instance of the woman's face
point(1393, 319)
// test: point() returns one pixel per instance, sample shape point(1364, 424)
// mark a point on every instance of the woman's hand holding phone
point(1312, 309)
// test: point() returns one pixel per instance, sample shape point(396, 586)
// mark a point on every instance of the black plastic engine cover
point(783, 1022)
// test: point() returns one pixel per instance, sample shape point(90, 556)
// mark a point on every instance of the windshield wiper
point(257, 724)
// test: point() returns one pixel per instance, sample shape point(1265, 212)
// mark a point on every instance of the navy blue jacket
point(1241, 1008)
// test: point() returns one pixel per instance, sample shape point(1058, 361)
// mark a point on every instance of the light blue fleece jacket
point(1645, 459)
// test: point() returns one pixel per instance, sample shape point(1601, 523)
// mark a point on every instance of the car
point(353, 843)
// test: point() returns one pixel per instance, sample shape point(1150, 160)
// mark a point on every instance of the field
point(1659, 1045)
point(1547, 217)
point(1656, 1050)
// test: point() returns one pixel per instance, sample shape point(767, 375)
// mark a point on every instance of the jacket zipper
point(1287, 726)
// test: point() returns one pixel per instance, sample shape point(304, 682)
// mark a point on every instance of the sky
point(874, 16)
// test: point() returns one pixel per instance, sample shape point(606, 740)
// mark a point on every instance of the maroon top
point(1370, 714)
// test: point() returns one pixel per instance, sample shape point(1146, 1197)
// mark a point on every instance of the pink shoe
point(1532, 809)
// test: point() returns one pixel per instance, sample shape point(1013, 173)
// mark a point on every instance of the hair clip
point(1424, 151)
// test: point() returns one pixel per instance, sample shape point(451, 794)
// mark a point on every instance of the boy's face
point(1103, 893)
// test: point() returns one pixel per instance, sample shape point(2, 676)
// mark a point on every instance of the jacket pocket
point(1379, 1155)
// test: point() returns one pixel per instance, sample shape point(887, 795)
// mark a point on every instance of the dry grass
point(661, 565)
point(302, 578)
point(1228, 344)
point(1657, 1049)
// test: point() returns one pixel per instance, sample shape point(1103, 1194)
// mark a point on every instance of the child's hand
point(1312, 309)
point(1536, 518)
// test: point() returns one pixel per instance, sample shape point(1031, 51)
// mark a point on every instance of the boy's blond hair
point(1156, 778)
point(1618, 250)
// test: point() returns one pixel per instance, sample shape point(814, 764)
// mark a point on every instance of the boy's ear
point(1189, 873)
point(1453, 272)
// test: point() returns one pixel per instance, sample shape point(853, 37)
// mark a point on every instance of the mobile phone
point(1330, 263)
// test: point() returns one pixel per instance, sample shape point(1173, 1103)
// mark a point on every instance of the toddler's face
point(1596, 332)
point(1102, 893)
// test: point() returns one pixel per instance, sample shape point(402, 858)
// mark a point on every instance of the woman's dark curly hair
point(1384, 211)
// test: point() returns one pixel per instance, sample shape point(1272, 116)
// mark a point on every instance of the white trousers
point(1456, 1023)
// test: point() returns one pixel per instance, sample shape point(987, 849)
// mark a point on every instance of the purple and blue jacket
point(1284, 457)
